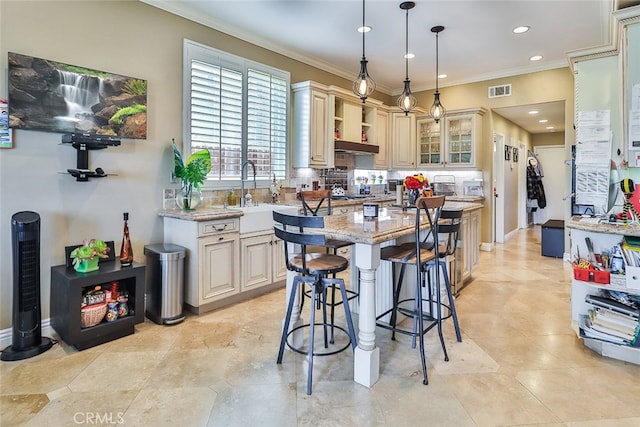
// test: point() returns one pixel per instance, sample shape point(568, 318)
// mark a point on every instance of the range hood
point(356, 147)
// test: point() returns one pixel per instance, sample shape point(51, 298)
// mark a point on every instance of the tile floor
point(519, 364)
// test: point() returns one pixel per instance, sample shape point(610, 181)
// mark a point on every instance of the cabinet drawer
point(216, 227)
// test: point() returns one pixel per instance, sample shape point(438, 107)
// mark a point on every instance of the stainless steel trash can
point(165, 283)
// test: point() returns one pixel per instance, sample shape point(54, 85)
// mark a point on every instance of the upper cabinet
point(381, 138)
point(403, 142)
point(328, 119)
point(451, 143)
point(312, 129)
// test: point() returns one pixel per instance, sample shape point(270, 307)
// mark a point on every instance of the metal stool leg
point(452, 306)
point(287, 319)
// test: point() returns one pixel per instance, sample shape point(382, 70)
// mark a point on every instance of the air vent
point(498, 91)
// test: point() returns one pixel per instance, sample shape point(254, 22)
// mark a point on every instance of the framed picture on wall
point(507, 152)
point(53, 96)
point(515, 154)
point(6, 140)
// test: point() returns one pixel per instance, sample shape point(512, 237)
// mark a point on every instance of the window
point(238, 110)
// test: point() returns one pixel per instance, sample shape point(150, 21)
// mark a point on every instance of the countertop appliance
point(473, 188)
point(444, 185)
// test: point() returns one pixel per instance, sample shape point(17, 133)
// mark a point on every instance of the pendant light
point(437, 111)
point(407, 102)
point(363, 85)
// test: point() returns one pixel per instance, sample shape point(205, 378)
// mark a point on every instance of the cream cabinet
point(452, 142)
point(218, 256)
point(312, 130)
point(263, 260)
point(402, 148)
point(381, 160)
point(468, 252)
point(213, 257)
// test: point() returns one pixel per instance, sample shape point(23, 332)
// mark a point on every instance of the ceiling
point(477, 43)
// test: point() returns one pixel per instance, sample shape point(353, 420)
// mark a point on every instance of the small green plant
point(88, 250)
point(135, 87)
point(192, 173)
point(127, 111)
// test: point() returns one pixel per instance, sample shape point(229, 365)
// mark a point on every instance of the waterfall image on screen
point(56, 97)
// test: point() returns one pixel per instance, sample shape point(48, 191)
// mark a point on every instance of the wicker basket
point(91, 315)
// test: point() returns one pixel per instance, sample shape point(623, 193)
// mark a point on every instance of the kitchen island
point(372, 279)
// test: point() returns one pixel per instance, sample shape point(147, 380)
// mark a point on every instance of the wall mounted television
point(52, 96)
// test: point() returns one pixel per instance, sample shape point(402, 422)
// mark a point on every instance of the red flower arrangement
point(415, 182)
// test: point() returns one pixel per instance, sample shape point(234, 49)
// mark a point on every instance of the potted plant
point(192, 174)
point(86, 257)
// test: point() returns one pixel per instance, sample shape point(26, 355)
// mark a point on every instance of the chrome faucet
point(242, 175)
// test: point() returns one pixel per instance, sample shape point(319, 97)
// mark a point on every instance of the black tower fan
point(27, 331)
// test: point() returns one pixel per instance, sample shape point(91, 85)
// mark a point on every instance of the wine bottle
point(126, 251)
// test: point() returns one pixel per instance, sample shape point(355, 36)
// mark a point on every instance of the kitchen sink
point(260, 218)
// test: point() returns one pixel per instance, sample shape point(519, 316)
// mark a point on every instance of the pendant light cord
point(363, 29)
point(406, 40)
point(437, 56)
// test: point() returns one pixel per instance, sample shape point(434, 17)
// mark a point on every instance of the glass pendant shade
point(363, 85)
point(437, 111)
point(406, 101)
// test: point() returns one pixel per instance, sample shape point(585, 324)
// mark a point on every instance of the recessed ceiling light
point(535, 58)
point(543, 121)
point(409, 56)
point(364, 29)
point(550, 127)
point(532, 112)
point(442, 76)
point(521, 29)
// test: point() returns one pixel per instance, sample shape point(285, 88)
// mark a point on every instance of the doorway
point(554, 168)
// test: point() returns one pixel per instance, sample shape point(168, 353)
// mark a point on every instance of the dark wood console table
point(67, 287)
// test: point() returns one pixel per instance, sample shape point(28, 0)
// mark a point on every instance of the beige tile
point(187, 406)
point(263, 405)
point(17, 409)
point(496, 399)
point(116, 372)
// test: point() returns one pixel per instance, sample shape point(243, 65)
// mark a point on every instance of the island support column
point(366, 360)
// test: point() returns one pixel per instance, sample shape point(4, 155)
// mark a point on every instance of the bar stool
point(448, 233)
point(314, 270)
point(419, 254)
point(317, 198)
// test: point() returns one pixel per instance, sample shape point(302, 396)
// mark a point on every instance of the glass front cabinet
point(451, 142)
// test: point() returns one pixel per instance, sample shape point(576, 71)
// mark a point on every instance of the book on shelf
point(613, 317)
point(604, 326)
point(586, 330)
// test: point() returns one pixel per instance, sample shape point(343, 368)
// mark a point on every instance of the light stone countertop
point(213, 213)
point(390, 224)
point(603, 227)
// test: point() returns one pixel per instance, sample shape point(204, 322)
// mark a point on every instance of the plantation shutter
point(266, 123)
point(216, 117)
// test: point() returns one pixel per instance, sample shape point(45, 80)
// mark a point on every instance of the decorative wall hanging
point(507, 152)
point(515, 154)
point(56, 97)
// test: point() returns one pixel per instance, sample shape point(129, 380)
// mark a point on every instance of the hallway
point(519, 363)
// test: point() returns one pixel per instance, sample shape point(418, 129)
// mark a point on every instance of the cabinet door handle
point(220, 229)
point(220, 238)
